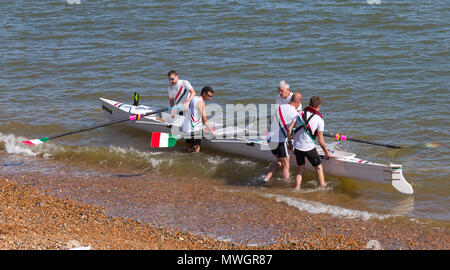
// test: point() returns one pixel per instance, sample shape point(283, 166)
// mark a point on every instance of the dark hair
point(172, 72)
point(315, 101)
point(207, 89)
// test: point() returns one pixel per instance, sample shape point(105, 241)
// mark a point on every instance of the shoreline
point(33, 220)
point(38, 212)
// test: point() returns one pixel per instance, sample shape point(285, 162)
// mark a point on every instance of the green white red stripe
point(36, 141)
point(160, 139)
point(182, 90)
point(281, 121)
point(194, 122)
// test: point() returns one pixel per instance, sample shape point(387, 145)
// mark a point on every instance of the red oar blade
point(36, 141)
point(160, 139)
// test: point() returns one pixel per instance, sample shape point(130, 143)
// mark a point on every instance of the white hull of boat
point(341, 164)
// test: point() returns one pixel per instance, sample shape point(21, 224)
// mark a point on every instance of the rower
point(285, 95)
point(309, 126)
point(284, 115)
point(192, 127)
point(180, 91)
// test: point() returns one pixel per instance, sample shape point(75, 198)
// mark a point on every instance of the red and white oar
point(133, 117)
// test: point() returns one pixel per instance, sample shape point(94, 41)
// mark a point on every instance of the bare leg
point(188, 147)
point(285, 164)
point(298, 177)
point(320, 175)
point(196, 149)
point(273, 168)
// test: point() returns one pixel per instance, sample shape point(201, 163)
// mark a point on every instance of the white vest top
point(283, 117)
point(193, 119)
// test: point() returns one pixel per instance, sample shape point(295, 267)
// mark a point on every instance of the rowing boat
point(341, 164)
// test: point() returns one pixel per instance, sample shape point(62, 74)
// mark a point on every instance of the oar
point(163, 140)
point(160, 139)
point(133, 117)
point(341, 137)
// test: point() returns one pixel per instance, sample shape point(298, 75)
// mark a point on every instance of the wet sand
point(39, 211)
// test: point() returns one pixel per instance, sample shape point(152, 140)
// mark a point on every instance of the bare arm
point(172, 103)
point(289, 133)
point(204, 119)
point(322, 144)
point(191, 96)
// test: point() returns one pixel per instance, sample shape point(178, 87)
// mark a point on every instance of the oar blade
point(161, 140)
point(36, 141)
point(434, 145)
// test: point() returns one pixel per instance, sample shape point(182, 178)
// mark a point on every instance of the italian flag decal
point(160, 139)
point(36, 141)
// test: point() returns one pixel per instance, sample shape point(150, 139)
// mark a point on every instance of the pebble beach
point(42, 212)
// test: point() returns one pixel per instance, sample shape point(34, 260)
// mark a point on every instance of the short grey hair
point(283, 84)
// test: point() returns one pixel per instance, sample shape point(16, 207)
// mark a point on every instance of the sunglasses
point(171, 79)
point(210, 96)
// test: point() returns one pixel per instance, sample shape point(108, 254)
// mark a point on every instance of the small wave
point(244, 162)
point(14, 145)
point(216, 160)
point(320, 208)
point(131, 150)
point(155, 159)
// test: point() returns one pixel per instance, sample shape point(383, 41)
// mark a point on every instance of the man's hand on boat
point(209, 131)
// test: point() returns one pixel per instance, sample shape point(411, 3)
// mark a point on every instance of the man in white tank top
point(180, 91)
point(284, 115)
point(195, 119)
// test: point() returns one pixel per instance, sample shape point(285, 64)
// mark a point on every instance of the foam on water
point(244, 162)
point(320, 208)
point(155, 159)
point(14, 145)
point(216, 160)
point(128, 150)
